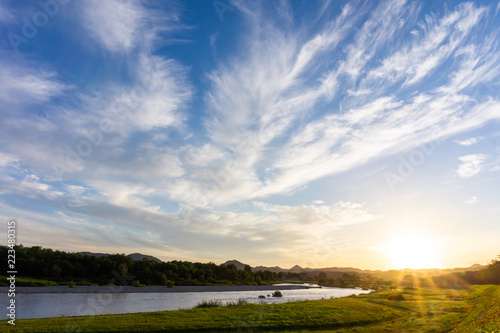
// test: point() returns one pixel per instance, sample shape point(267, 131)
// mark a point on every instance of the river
point(43, 305)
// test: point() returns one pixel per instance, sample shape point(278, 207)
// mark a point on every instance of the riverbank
point(151, 289)
point(428, 309)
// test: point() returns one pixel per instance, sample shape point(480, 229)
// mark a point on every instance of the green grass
point(295, 315)
point(485, 316)
point(424, 310)
point(216, 304)
point(239, 302)
point(437, 310)
point(209, 304)
point(28, 282)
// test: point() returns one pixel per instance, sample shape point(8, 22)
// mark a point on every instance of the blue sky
point(318, 133)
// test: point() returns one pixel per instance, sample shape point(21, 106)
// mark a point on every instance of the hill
point(239, 265)
point(93, 254)
point(331, 272)
point(138, 256)
point(134, 256)
point(336, 272)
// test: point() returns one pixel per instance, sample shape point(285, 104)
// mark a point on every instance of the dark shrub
point(396, 297)
point(209, 304)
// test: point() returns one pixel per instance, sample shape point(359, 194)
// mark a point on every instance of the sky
point(316, 133)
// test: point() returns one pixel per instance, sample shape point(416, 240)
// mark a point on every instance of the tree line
point(119, 269)
point(488, 275)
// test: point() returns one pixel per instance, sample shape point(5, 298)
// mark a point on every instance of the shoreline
point(148, 289)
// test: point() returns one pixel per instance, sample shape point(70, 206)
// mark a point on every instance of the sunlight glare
point(413, 252)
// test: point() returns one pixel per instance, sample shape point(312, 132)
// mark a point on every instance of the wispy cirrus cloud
point(157, 98)
point(6, 159)
point(469, 141)
point(263, 87)
point(437, 40)
point(255, 99)
point(151, 100)
point(380, 28)
point(471, 165)
point(252, 105)
point(127, 26)
point(24, 84)
point(159, 88)
point(116, 25)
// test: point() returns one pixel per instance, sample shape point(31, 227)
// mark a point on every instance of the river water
point(42, 305)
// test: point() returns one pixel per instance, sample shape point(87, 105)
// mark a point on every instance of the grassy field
point(423, 310)
point(485, 315)
point(27, 282)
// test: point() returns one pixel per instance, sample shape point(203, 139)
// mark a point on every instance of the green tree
point(55, 271)
point(491, 274)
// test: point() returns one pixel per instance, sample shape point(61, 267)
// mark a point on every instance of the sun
point(413, 251)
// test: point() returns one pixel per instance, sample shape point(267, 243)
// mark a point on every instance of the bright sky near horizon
point(317, 133)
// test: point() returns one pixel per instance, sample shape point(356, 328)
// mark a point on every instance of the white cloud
point(469, 141)
point(6, 159)
point(160, 89)
point(266, 87)
point(338, 214)
point(253, 100)
point(30, 187)
point(472, 201)
point(356, 93)
point(202, 156)
point(471, 165)
point(25, 85)
point(126, 26)
point(380, 28)
point(115, 24)
point(303, 224)
point(419, 59)
point(285, 231)
point(156, 100)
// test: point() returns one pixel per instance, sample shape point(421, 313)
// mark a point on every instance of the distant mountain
point(134, 256)
point(299, 269)
point(336, 272)
point(342, 269)
point(275, 269)
point(332, 272)
point(296, 269)
point(398, 274)
point(138, 256)
point(93, 254)
point(239, 265)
